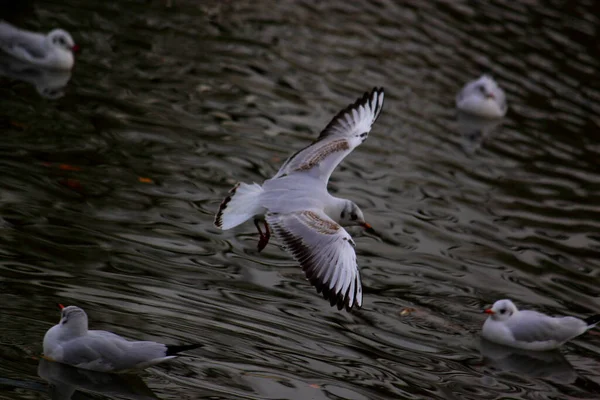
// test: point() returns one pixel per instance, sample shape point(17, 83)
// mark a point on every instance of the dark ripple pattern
point(108, 194)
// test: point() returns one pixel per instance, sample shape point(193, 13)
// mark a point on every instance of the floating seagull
point(302, 213)
point(54, 50)
point(531, 330)
point(70, 342)
point(482, 97)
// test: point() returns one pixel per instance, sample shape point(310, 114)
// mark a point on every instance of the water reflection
point(66, 380)
point(49, 83)
point(535, 364)
point(475, 130)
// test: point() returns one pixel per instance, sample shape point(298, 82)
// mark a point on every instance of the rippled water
point(108, 194)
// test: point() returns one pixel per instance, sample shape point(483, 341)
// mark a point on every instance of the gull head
point(482, 97)
point(501, 310)
point(60, 39)
point(73, 322)
point(352, 215)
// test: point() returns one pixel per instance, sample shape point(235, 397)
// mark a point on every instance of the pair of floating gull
point(70, 342)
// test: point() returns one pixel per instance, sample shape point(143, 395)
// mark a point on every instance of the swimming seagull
point(303, 215)
point(70, 342)
point(482, 97)
point(54, 50)
point(531, 330)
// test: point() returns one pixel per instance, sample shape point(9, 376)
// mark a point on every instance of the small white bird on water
point(302, 213)
point(54, 50)
point(70, 342)
point(482, 97)
point(531, 330)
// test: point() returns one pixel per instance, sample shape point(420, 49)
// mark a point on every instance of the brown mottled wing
point(347, 130)
point(325, 251)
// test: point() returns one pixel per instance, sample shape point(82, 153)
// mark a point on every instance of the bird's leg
point(264, 237)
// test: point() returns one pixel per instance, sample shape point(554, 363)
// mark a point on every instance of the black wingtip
point(376, 92)
point(593, 320)
point(219, 216)
point(173, 350)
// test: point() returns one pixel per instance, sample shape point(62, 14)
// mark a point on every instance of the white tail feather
point(242, 203)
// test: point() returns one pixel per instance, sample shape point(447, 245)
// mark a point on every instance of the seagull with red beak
point(297, 207)
point(483, 98)
point(53, 50)
point(531, 330)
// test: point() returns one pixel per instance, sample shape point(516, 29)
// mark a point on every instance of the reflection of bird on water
point(49, 83)
point(475, 130)
point(53, 51)
point(65, 380)
point(482, 97)
point(535, 364)
point(70, 342)
point(531, 330)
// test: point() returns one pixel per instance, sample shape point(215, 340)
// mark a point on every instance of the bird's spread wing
point(348, 129)
point(325, 251)
point(536, 327)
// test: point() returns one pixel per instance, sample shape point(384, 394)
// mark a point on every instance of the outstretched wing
point(325, 251)
point(348, 129)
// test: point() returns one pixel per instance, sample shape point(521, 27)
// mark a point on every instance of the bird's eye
point(481, 88)
point(353, 216)
point(503, 311)
point(343, 214)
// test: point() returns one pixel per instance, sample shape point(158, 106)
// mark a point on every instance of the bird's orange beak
point(368, 228)
point(60, 306)
point(75, 48)
point(489, 311)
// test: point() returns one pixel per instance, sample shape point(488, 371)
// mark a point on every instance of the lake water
point(108, 194)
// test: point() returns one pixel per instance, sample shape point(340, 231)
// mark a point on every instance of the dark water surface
point(107, 194)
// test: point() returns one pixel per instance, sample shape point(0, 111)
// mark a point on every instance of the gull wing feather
point(20, 42)
point(532, 326)
point(106, 351)
point(347, 130)
point(325, 251)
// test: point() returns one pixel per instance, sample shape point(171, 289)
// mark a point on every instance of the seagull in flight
point(296, 206)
